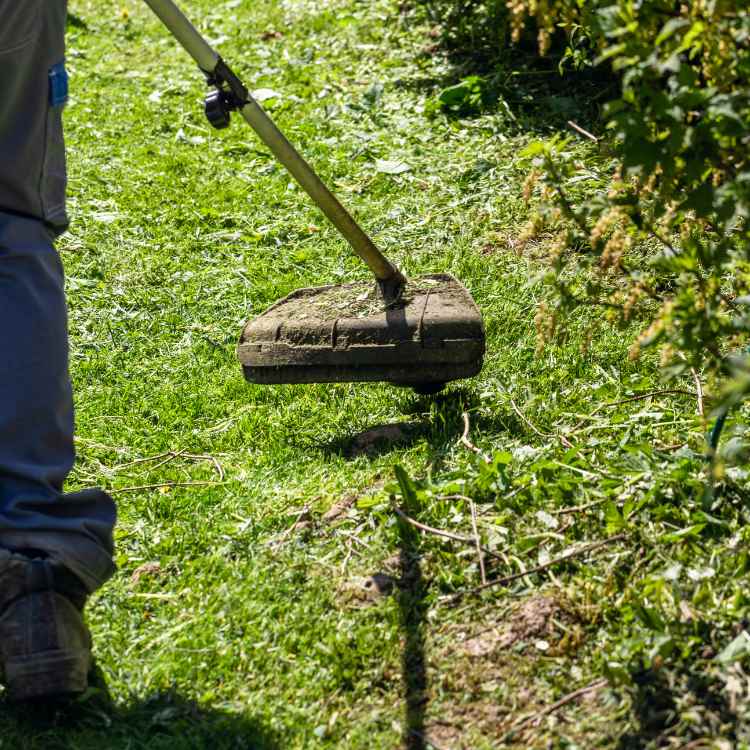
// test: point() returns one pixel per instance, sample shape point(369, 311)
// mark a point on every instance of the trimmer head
point(345, 333)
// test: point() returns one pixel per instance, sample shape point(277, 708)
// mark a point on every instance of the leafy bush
point(666, 235)
point(653, 226)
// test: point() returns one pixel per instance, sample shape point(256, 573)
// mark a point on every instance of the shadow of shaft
point(412, 608)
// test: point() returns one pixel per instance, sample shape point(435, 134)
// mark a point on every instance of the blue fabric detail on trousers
point(58, 85)
point(36, 412)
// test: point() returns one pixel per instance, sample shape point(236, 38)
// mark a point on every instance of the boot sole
point(51, 674)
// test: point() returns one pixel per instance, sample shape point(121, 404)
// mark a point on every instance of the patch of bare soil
point(362, 591)
point(342, 506)
point(537, 620)
point(484, 683)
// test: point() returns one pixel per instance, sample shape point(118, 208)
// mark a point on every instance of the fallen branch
point(300, 517)
point(577, 508)
point(669, 448)
point(642, 396)
point(536, 717)
point(142, 460)
point(464, 440)
point(305, 511)
point(538, 569)
point(167, 456)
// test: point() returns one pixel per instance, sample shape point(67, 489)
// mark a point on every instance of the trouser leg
point(36, 413)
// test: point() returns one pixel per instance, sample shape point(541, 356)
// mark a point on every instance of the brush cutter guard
point(424, 340)
point(433, 334)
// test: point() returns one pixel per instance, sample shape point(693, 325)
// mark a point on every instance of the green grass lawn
point(243, 614)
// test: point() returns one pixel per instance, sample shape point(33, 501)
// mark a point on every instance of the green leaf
point(737, 649)
point(615, 521)
point(670, 27)
point(533, 149)
point(408, 489)
point(701, 200)
point(391, 167)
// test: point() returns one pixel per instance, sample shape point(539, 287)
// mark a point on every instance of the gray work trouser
point(36, 408)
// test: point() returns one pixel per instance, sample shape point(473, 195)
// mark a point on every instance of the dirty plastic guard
point(345, 333)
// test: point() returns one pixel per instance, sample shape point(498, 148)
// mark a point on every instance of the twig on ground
point(353, 537)
point(447, 534)
point(642, 396)
point(536, 717)
point(477, 541)
point(348, 556)
point(162, 484)
point(432, 530)
point(535, 429)
point(101, 446)
point(639, 397)
point(302, 513)
point(538, 569)
point(668, 448)
point(558, 534)
point(298, 517)
point(698, 392)
point(212, 459)
point(583, 132)
point(464, 440)
point(577, 508)
point(147, 459)
point(526, 420)
point(167, 456)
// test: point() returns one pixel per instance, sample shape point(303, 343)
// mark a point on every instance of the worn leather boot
point(45, 646)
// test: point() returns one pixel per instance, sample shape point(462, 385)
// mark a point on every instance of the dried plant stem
point(477, 542)
point(432, 530)
point(582, 131)
point(464, 440)
point(534, 428)
point(167, 456)
point(162, 484)
point(578, 508)
point(539, 568)
point(698, 392)
point(536, 717)
point(446, 534)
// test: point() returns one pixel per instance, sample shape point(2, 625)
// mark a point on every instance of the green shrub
point(666, 234)
point(653, 225)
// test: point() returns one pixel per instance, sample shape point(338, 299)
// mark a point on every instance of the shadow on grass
point(512, 79)
point(378, 439)
point(164, 721)
point(656, 711)
point(437, 420)
point(412, 611)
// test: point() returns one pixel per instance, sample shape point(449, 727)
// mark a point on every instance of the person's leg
point(36, 413)
point(55, 548)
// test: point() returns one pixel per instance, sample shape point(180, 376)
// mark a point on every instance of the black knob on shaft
point(217, 109)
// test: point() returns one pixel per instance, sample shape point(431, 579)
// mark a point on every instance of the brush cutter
point(420, 333)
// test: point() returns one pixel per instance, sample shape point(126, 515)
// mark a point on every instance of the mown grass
point(241, 615)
